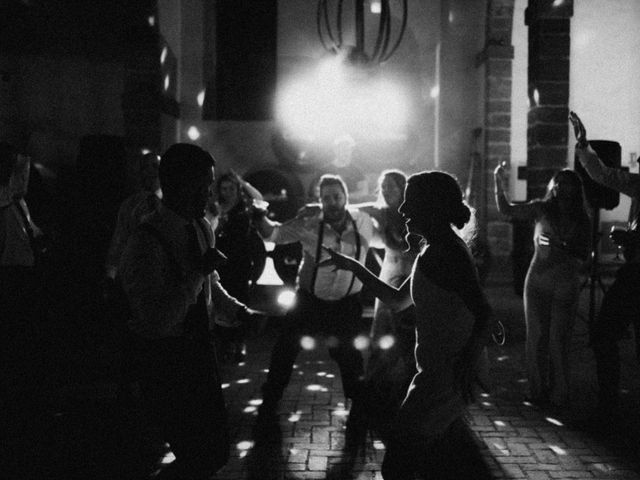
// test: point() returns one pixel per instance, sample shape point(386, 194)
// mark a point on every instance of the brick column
point(549, 47)
point(497, 58)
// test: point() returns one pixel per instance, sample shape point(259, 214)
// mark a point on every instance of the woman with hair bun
point(430, 437)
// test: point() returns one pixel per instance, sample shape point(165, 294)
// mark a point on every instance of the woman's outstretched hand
point(340, 261)
point(500, 175)
point(578, 129)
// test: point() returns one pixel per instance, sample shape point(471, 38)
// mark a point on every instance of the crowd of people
point(179, 257)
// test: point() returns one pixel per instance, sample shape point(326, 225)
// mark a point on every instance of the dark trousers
point(181, 387)
point(337, 322)
point(620, 307)
point(453, 455)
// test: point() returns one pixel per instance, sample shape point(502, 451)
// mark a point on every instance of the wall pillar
point(548, 78)
point(497, 59)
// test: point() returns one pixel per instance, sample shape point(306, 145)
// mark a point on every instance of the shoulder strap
point(318, 254)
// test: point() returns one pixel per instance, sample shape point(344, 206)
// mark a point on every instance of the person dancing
point(620, 305)
point(430, 436)
point(391, 364)
point(552, 285)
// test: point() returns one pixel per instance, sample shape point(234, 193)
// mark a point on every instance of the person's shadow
point(265, 459)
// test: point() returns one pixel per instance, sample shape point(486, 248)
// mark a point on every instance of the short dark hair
point(182, 163)
point(331, 179)
point(8, 161)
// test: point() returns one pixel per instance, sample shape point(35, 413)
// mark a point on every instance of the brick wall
point(496, 58)
point(549, 48)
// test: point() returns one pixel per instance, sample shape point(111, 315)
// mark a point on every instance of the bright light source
point(435, 91)
point(376, 7)
point(536, 97)
point(293, 418)
point(361, 342)
point(250, 409)
point(336, 98)
point(287, 298)
point(378, 445)
point(554, 421)
point(255, 402)
point(193, 133)
point(386, 342)
point(557, 3)
point(315, 388)
point(243, 380)
point(163, 55)
point(167, 81)
point(225, 385)
point(200, 98)
point(244, 445)
point(144, 151)
point(308, 343)
point(151, 20)
point(558, 450)
point(168, 458)
point(321, 374)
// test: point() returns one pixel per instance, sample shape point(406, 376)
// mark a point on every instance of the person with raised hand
point(620, 305)
point(552, 285)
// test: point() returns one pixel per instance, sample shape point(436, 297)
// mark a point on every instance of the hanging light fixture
point(329, 22)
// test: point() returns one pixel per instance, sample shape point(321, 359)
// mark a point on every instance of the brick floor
point(88, 439)
point(521, 441)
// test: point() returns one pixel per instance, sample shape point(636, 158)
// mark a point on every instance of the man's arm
point(615, 178)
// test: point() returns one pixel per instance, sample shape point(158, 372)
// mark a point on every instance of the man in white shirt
point(328, 303)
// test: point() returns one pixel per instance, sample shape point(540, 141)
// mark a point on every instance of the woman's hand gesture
point(340, 261)
point(578, 129)
point(500, 175)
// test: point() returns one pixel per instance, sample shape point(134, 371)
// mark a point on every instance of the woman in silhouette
point(430, 437)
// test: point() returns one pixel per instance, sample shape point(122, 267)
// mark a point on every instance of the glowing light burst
point(308, 343)
point(378, 445)
point(287, 298)
point(244, 445)
point(193, 133)
point(255, 402)
point(336, 98)
point(168, 458)
point(557, 450)
point(294, 417)
point(386, 342)
point(361, 342)
point(554, 421)
point(200, 98)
